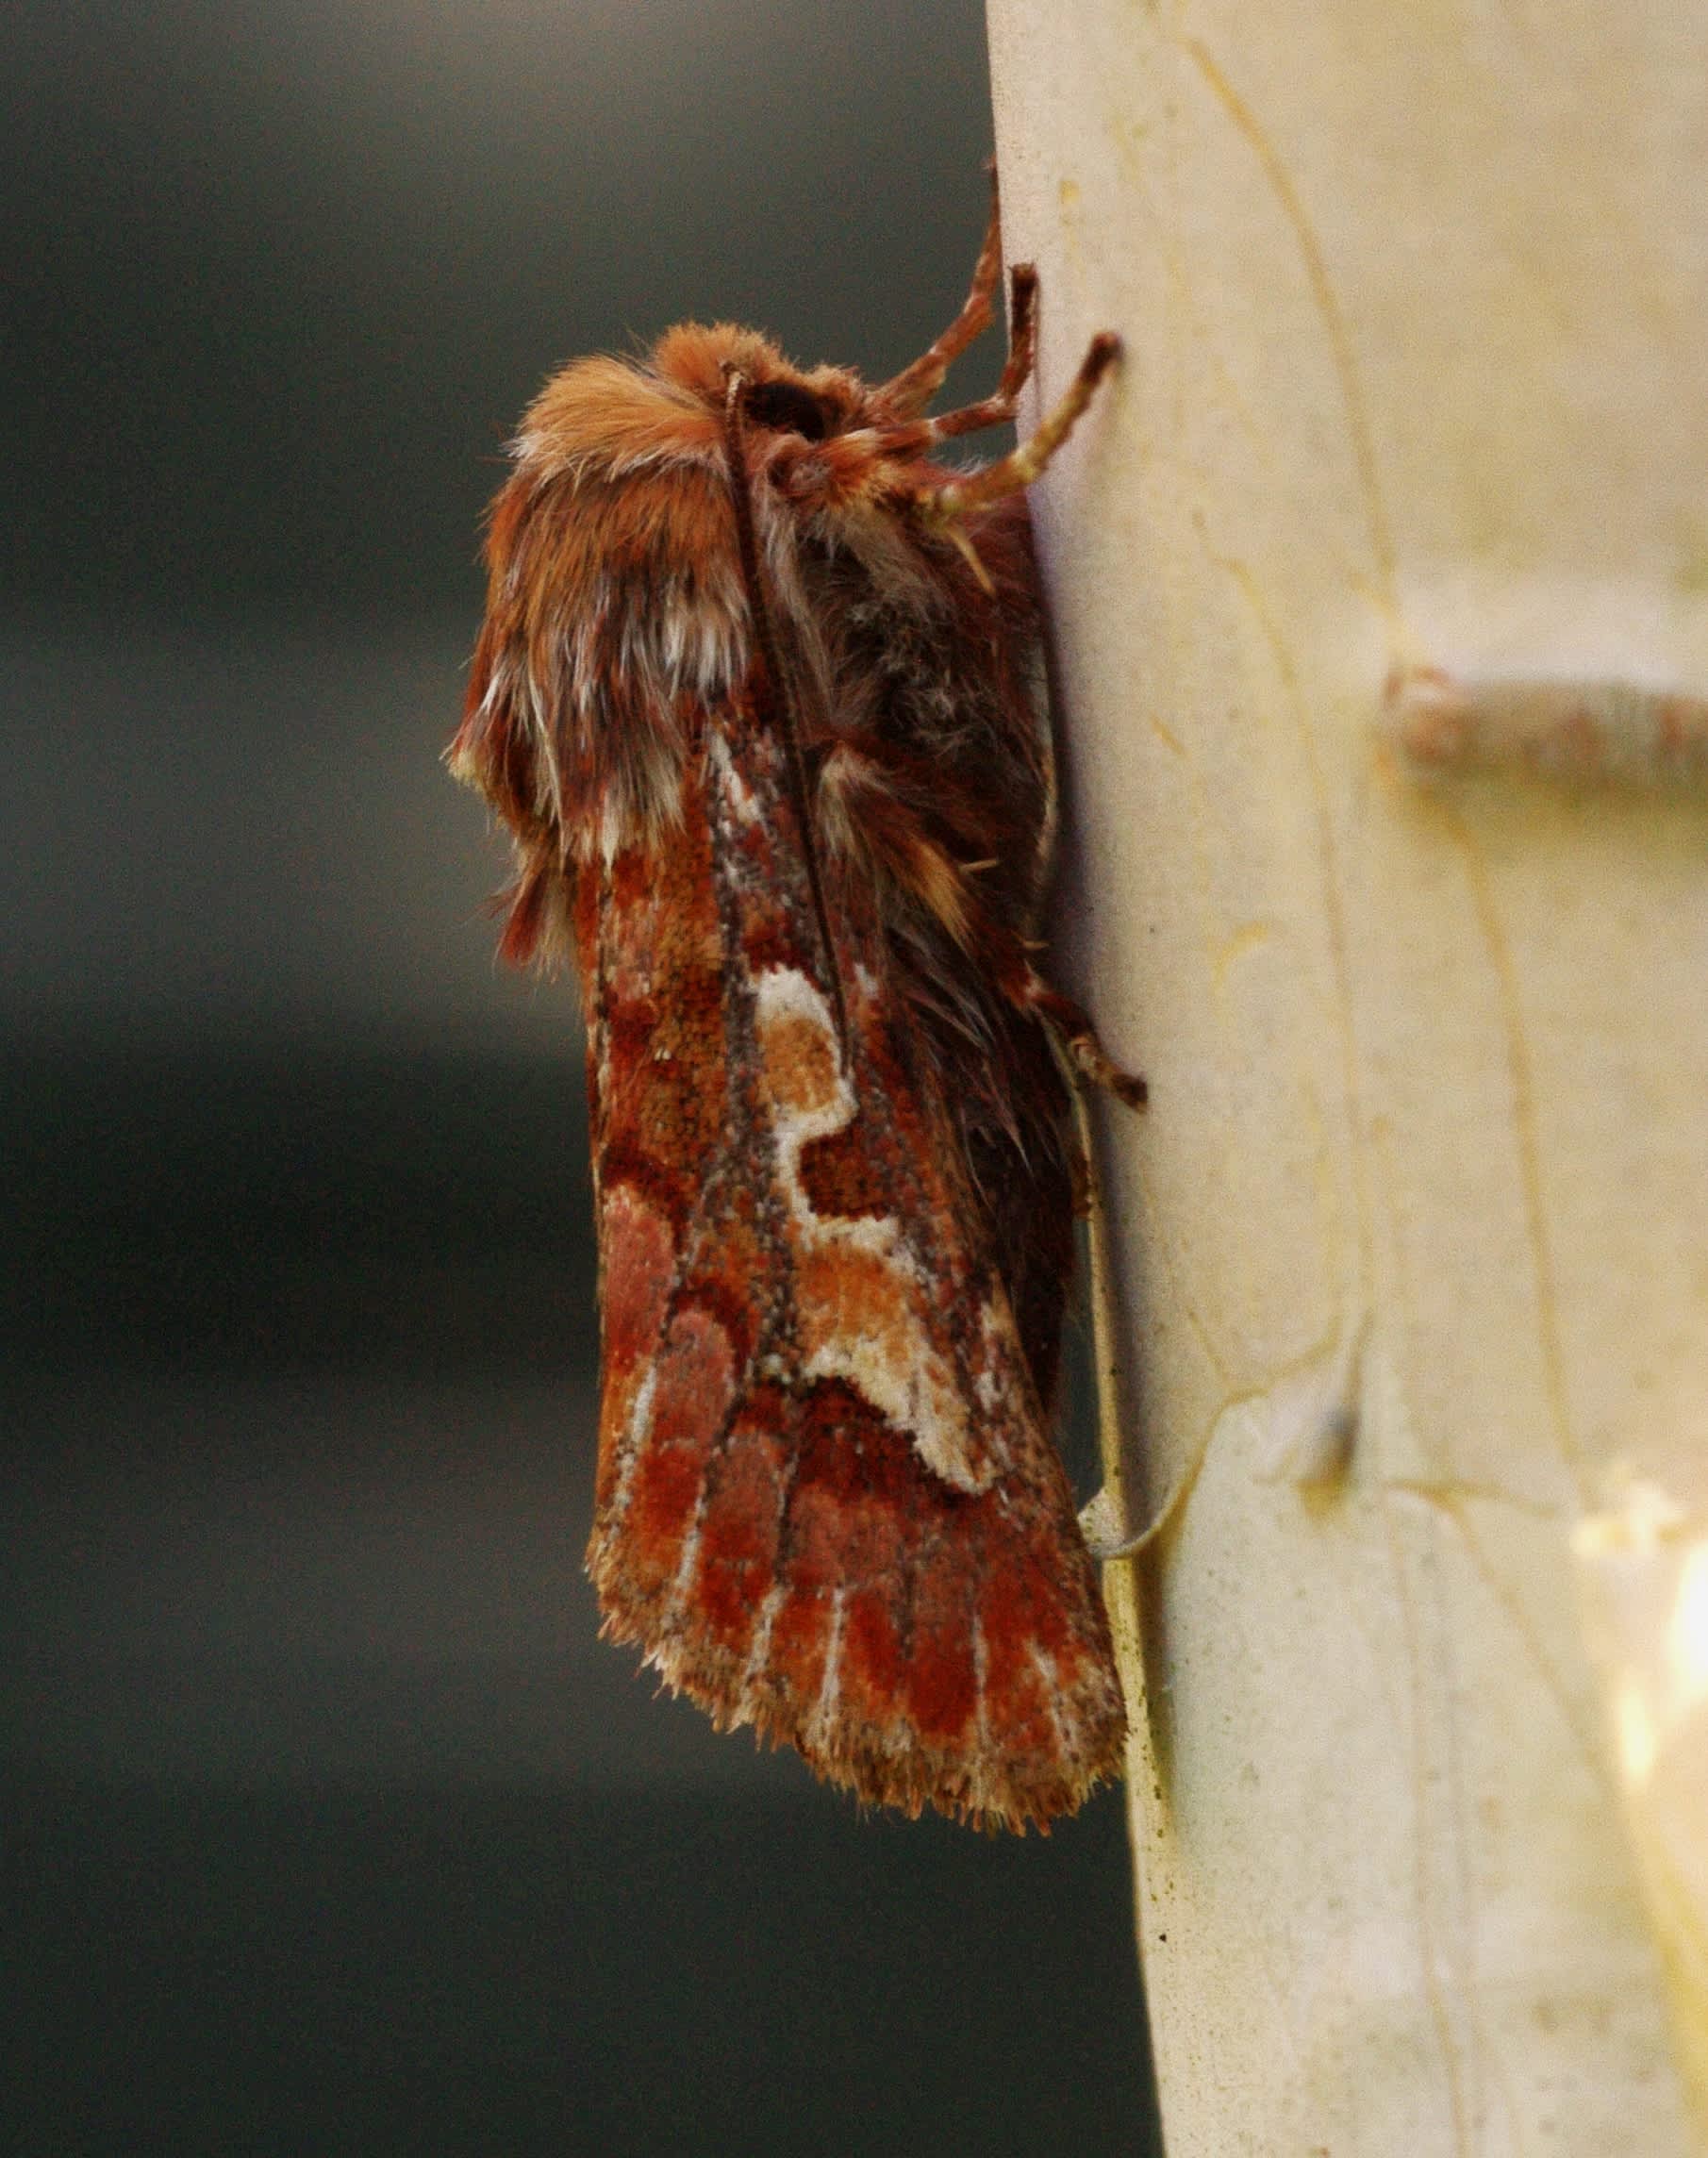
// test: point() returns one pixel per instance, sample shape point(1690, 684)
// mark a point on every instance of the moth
point(759, 696)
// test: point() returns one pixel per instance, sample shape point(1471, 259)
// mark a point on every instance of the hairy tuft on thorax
point(618, 611)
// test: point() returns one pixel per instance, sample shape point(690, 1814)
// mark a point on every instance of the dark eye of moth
point(788, 409)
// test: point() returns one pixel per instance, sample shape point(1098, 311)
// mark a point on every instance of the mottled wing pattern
point(827, 1502)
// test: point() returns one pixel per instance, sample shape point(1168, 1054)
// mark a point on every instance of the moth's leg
point(947, 504)
point(1007, 958)
point(1022, 350)
point(816, 473)
point(1022, 331)
point(866, 804)
point(907, 395)
point(1072, 1025)
point(885, 806)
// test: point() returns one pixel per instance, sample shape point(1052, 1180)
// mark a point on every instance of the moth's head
point(774, 397)
point(610, 417)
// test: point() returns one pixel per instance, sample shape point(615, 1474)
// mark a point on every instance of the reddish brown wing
point(827, 1504)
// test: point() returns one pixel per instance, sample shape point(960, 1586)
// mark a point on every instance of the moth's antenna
point(764, 639)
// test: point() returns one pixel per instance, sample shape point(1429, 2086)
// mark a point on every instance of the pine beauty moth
point(758, 694)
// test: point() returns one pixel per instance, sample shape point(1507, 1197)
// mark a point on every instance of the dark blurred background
point(329, 1826)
